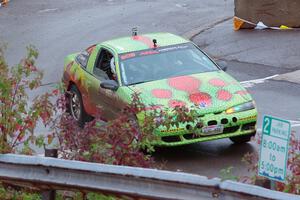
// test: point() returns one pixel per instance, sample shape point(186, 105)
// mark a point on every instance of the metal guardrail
point(56, 174)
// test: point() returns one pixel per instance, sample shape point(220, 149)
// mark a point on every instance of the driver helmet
point(112, 65)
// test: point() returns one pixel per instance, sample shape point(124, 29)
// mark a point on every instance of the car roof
point(143, 42)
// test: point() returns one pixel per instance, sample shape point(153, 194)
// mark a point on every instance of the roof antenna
point(134, 31)
point(154, 43)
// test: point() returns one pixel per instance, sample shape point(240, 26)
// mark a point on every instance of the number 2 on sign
point(267, 124)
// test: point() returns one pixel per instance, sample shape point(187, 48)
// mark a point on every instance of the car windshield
point(165, 62)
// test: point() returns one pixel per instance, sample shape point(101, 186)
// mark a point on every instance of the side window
point(104, 67)
point(82, 58)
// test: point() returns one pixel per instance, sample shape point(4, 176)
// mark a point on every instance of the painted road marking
point(295, 122)
point(251, 83)
point(47, 10)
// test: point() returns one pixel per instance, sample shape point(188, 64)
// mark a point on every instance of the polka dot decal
point(185, 83)
point(175, 103)
point(200, 98)
point(202, 92)
point(162, 93)
point(217, 82)
point(224, 95)
point(242, 92)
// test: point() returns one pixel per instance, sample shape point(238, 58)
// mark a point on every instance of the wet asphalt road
point(58, 28)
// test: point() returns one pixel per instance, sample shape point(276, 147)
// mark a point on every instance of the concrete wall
point(270, 12)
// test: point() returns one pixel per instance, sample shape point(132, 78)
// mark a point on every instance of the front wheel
point(76, 108)
point(242, 139)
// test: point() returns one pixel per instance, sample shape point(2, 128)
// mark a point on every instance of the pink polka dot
point(175, 103)
point(201, 98)
point(162, 93)
point(242, 92)
point(217, 82)
point(185, 83)
point(224, 95)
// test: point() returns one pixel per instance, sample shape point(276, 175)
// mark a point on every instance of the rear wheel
point(242, 139)
point(76, 108)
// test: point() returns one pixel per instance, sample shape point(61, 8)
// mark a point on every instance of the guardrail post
point(50, 194)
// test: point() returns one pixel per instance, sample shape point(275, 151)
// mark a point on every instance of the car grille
point(231, 129)
point(191, 136)
point(249, 126)
point(223, 121)
point(171, 139)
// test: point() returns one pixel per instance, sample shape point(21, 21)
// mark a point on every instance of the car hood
point(208, 92)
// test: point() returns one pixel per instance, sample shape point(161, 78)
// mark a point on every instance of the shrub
point(18, 117)
point(8, 193)
point(119, 142)
point(251, 160)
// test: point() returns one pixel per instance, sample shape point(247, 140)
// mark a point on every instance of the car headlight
point(240, 108)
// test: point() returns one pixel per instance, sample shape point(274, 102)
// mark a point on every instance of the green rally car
point(167, 71)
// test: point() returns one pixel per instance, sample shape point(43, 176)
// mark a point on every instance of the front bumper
point(236, 124)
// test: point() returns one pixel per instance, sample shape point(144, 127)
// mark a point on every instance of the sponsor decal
point(248, 118)
point(173, 48)
point(145, 53)
point(172, 130)
point(127, 56)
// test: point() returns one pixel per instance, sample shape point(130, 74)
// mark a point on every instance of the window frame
point(97, 62)
point(86, 56)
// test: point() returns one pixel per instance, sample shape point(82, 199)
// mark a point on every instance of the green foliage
point(12, 194)
point(227, 174)
point(95, 196)
point(251, 160)
point(117, 142)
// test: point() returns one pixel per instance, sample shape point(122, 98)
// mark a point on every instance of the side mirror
point(223, 65)
point(110, 85)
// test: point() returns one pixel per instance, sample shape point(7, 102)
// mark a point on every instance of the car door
point(101, 98)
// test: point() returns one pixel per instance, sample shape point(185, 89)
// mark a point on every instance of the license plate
point(212, 130)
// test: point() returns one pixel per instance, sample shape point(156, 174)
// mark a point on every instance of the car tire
point(241, 139)
point(75, 106)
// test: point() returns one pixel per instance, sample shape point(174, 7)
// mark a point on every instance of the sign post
point(274, 148)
